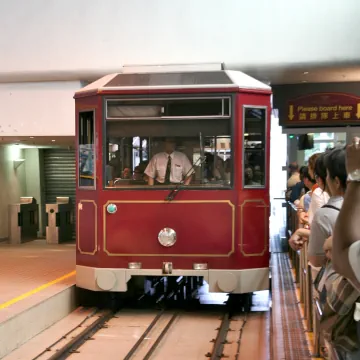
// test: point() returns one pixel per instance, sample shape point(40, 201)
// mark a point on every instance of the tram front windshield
point(200, 152)
point(171, 142)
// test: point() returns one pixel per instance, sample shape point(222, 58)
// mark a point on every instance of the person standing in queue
point(169, 167)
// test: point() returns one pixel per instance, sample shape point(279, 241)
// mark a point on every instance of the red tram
point(204, 215)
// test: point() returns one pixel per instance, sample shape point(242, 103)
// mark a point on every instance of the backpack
point(337, 319)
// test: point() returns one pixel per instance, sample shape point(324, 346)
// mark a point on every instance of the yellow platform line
point(36, 290)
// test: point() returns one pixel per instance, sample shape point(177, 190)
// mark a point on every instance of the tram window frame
point(229, 118)
point(263, 149)
point(80, 142)
point(165, 107)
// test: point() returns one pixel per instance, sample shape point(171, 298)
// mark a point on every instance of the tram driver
point(169, 167)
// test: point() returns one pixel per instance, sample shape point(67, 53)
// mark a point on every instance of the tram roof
point(176, 80)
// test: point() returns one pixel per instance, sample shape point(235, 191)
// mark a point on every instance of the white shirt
point(180, 166)
point(354, 259)
point(323, 226)
point(318, 199)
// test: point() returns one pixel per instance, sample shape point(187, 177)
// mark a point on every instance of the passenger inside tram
point(215, 168)
point(138, 173)
point(258, 175)
point(126, 174)
point(227, 173)
point(116, 165)
point(250, 177)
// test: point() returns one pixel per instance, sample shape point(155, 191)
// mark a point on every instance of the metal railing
point(303, 280)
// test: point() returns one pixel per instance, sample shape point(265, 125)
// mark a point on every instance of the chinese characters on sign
point(324, 107)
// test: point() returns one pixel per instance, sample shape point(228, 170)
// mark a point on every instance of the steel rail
point(66, 335)
point(240, 337)
point(79, 340)
point(135, 348)
point(143, 336)
point(220, 341)
point(158, 340)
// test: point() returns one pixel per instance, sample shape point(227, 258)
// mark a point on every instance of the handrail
point(294, 207)
point(303, 280)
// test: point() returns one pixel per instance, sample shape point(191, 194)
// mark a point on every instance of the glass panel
point(117, 110)
point(319, 147)
point(323, 142)
point(200, 153)
point(86, 149)
point(168, 108)
point(324, 136)
point(254, 147)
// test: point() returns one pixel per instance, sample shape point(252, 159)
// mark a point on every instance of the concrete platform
point(35, 279)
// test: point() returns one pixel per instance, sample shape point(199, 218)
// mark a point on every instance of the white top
point(318, 199)
point(354, 259)
point(180, 166)
point(323, 226)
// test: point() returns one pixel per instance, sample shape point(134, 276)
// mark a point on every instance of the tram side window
point(86, 149)
point(254, 147)
point(137, 153)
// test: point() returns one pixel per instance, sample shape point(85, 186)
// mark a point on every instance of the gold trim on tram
point(79, 209)
point(173, 202)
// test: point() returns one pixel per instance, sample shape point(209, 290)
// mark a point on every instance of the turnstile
point(23, 220)
point(59, 221)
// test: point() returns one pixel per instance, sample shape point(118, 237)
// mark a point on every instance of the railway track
point(157, 323)
point(208, 331)
point(151, 342)
point(77, 336)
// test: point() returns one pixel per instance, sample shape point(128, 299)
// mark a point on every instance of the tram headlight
point(167, 237)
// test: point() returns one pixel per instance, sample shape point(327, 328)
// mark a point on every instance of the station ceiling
point(306, 74)
point(273, 75)
point(29, 142)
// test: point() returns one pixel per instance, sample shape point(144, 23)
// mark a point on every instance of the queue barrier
point(23, 220)
point(303, 280)
point(59, 223)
